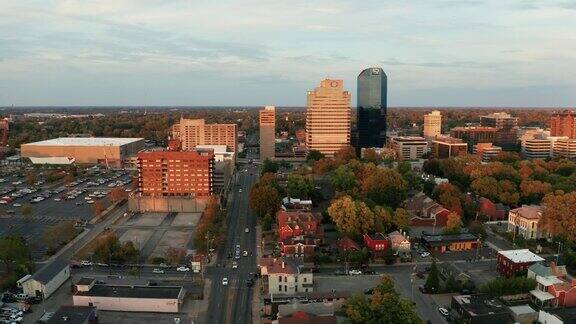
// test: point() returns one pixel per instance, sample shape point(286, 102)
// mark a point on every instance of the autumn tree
point(385, 305)
point(533, 190)
point(343, 179)
point(344, 155)
point(351, 217)
point(314, 155)
point(98, 208)
point(384, 187)
point(453, 224)
point(69, 178)
point(401, 219)
point(26, 210)
point(117, 194)
point(60, 233)
point(558, 215)
point(264, 199)
point(269, 166)
point(323, 165)
point(370, 155)
point(300, 186)
point(175, 255)
point(31, 178)
point(449, 196)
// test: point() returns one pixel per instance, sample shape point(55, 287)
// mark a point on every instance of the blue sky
point(261, 52)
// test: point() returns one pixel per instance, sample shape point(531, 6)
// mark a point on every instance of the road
point(233, 303)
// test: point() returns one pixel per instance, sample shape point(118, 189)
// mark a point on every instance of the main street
point(232, 303)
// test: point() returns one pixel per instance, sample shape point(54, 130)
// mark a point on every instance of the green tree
point(385, 187)
point(433, 281)
point(508, 286)
point(314, 155)
point(401, 219)
point(300, 186)
point(14, 253)
point(269, 166)
point(343, 179)
point(60, 233)
point(384, 306)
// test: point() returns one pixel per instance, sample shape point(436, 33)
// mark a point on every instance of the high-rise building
point(409, 147)
point(474, 135)
point(371, 107)
point(328, 118)
point(176, 173)
point(193, 132)
point(267, 132)
point(507, 135)
point(563, 123)
point(433, 124)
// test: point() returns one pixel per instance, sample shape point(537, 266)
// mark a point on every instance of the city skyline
point(475, 53)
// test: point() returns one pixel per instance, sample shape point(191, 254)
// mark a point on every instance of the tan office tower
point(433, 124)
point(328, 118)
point(267, 132)
point(194, 132)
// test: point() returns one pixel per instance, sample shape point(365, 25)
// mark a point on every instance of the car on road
point(234, 265)
point(183, 269)
point(163, 265)
point(355, 272)
point(57, 199)
point(240, 190)
point(246, 230)
point(17, 205)
point(100, 264)
point(78, 204)
point(86, 263)
point(245, 253)
point(156, 270)
point(224, 281)
point(425, 254)
point(21, 296)
point(443, 311)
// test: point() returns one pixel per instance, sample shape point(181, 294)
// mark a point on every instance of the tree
point(314, 155)
point(323, 165)
point(385, 187)
point(98, 208)
point(31, 178)
point(60, 233)
point(433, 281)
point(401, 219)
point(508, 286)
point(175, 255)
point(264, 199)
point(343, 179)
point(117, 194)
point(533, 190)
point(69, 178)
point(269, 166)
point(433, 167)
point(344, 155)
point(14, 253)
point(558, 215)
point(26, 210)
point(384, 306)
point(300, 186)
point(351, 217)
point(453, 224)
point(370, 155)
point(389, 256)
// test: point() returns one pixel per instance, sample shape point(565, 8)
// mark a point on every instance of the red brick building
point(563, 124)
point(176, 173)
point(298, 247)
point(510, 262)
point(491, 210)
point(377, 242)
point(299, 223)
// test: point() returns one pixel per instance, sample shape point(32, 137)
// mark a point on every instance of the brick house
point(298, 247)
point(424, 211)
point(299, 223)
point(376, 242)
point(510, 262)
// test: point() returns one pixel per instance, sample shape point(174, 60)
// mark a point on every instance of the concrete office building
point(507, 135)
point(433, 124)
point(564, 147)
point(444, 147)
point(473, 135)
point(83, 150)
point(176, 173)
point(371, 107)
point(563, 123)
point(194, 132)
point(328, 118)
point(487, 151)
point(267, 132)
point(409, 147)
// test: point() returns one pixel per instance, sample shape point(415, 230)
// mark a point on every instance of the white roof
point(52, 160)
point(218, 149)
point(521, 256)
point(548, 281)
point(541, 295)
point(87, 141)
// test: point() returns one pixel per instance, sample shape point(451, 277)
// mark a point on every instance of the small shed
point(45, 281)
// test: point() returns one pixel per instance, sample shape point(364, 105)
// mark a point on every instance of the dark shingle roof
point(49, 271)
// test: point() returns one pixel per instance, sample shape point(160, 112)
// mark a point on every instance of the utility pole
point(558, 255)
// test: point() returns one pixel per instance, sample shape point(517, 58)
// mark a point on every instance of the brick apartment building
point(194, 132)
point(510, 262)
point(299, 232)
point(176, 173)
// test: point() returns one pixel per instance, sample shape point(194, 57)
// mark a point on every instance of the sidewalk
point(256, 302)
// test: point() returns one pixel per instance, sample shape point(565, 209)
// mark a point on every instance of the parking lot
point(52, 204)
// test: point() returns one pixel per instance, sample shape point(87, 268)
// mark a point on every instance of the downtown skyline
point(446, 53)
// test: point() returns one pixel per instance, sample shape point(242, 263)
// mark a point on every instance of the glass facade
point(371, 108)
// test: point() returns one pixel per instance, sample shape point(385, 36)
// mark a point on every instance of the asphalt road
point(233, 303)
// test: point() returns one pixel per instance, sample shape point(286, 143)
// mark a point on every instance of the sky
point(270, 52)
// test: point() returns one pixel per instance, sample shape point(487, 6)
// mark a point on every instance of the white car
point(17, 205)
point(57, 199)
point(183, 269)
point(224, 281)
point(245, 253)
point(85, 263)
point(157, 271)
point(443, 311)
point(425, 254)
point(89, 202)
point(246, 230)
point(355, 272)
point(234, 265)
point(240, 190)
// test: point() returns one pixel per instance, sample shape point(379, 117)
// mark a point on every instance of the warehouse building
point(83, 150)
point(45, 281)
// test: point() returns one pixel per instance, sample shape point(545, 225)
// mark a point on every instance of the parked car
point(224, 281)
point(355, 272)
point(183, 269)
point(443, 311)
point(425, 254)
point(158, 271)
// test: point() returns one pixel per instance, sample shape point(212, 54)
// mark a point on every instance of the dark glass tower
point(371, 107)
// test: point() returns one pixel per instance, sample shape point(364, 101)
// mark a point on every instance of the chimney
point(283, 265)
point(553, 267)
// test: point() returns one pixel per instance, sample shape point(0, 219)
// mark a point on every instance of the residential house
point(479, 309)
point(540, 269)
point(450, 242)
point(492, 211)
point(523, 221)
point(299, 223)
point(286, 276)
point(298, 247)
point(400, 243)
point(377, 242)
point(424, 211)
point(510, 262)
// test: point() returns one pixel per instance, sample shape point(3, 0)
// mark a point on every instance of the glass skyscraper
point(371, 107)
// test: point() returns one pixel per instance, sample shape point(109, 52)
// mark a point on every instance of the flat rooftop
point(154, 292)
point(521, 256)
point(86, 141)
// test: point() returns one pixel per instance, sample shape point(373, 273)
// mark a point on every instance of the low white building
point(45, 281)
point(285, 276)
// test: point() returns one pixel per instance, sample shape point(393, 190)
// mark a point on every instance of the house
point(400, 243)
point(510, 262)
point(541, 270)
point(450, 242)
point(479, 309)
point(286, 276)
point(347, 244)
point(306, 318)
point(298, 247)
point(69, 314)
point(564, 294)
point(523, 221)
point(299, 223)
point(542, 296)
point(296, 204)
point(376, 242)
point(45, 281)
point(424, 211)
point(557, 316)
point(492, 211)
point(159, 299)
